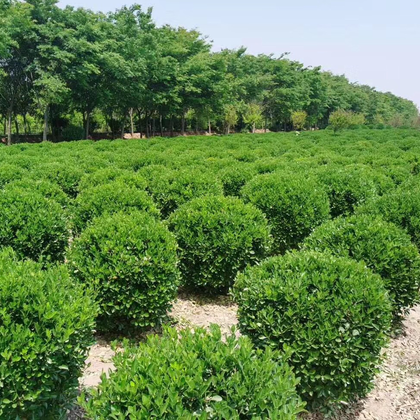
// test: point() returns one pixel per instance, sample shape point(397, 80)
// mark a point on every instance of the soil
point(397, 388)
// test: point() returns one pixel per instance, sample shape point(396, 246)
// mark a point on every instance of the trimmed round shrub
point(108, 199)
point(106, 175)
point(171, 189)
point(45, 188)
point(348, 187)
point(385, 248)
point(332, 315)
point(34, 226)
point(196, 375)
point(401, 207)
point(217, 237)
point(10, 173)
point(293, 204)
point(234, 178)
point(65, 175)
point(130, 261)
point(46, 330)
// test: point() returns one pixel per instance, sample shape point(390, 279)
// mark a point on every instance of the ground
point(397, 388)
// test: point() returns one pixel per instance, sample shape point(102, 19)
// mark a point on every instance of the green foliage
point(340, 120)
point(293, 204)
point(235, 177)
point(9, 173)
point(196, 375)
point(331, 314)
point(65, 175)
point(46, 330)
point(109, 198)
point(34, 226)
point(299, 120)
point(130, 262)
point(217, 237)
point(73, 132)
point(383, 247)
point(171, 189)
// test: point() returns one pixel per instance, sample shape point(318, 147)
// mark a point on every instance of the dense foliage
point(69, 73)
point(196, 375)
point(217, 237)
point(46, 329)
point(382, 246)
point(293, 204)
point(130, 261)
point(331, 314)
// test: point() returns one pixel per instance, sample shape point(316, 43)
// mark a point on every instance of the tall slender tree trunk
point(146, 119)
point(183, 123)
point(9, 128)
point(45, 134)
point(153, 127)
point(17, 126)
point(253, 128)
point(161, 125)
point(209, 127)
point(227, 128)
point(131, 112)
point(196, 127)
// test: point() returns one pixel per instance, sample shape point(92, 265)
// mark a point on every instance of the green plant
point(73, 132)
point(10, 173)
point(130, 261)
point(293, 204)
point(46, 330)
point(332, 314)
point(34, 226)
point(299, 119)
point(217, 237)
point(171, 189)
point(385, 248)
point(109, 198)
point(195, 375)
point(235, 177)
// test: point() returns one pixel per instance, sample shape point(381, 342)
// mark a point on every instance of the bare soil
point(397, 388)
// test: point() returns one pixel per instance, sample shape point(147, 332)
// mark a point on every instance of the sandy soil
point(397, 388)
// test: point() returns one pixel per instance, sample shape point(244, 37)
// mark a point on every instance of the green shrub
point(34, 226)
point(196, 375)
point(10, 173)
point(401, 207)
point(383, 247)
point(66, 175)
point(110, 174)
point(332, 314)
point(171, 189)
point(73, 132)
point(293, 204)
point(107, 199)
point(217, 237)
point(45, 188)
point(235, 177)
point(131, 263)
point(46, 329)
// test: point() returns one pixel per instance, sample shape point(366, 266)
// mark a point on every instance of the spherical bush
point(46, 330)
point(293, 204)
point(385, 248)
point(130, 261)
point(108, 199)
point(217, 237)
point(34, 226)
point(196, 375)
point(331, 315)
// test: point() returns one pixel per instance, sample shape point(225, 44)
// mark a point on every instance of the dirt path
point(397, 388)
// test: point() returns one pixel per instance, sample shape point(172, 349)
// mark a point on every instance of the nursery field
point(307, 245)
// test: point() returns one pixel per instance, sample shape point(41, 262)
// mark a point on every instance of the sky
point(373, 42)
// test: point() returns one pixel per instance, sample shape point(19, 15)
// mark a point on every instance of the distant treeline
point(71, 72)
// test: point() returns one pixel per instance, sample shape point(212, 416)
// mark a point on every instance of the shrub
point(73, 132)
point(173, 188)
point(332, 314)
point(66, 175)
point(197, 375)
point(347, 188)
point(299, 119)
point(217, 237)
point(107, 199)
point(34, 226)
point(46, 329)
point(10, 173)
point(293, 204)
point(131, 263)
point(234, 178)
point(401, 207)
point(110, 174)
point(384, 247)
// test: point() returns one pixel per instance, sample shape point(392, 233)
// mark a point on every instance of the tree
point(299, 120)
point(230, 117)
point(253, 116)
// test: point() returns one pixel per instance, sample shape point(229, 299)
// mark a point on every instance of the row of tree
point(63, 69)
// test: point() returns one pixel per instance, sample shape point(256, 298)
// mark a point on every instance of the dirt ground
point(397, 388)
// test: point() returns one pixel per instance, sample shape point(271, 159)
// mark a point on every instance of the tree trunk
point(17, 126)
point(161, 125)
point(183, 123)
point(228, 129)
point(253, 128)
point(9, 128)
point(172, 126)
point(123, 128)
point(131, 122)
point(196, 127)
point(209, 127)
point(87, 125)
point(146, 120)
point(25, 125)
point(153, 127)
point(45, 134)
